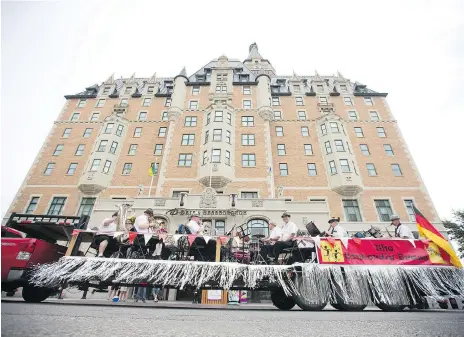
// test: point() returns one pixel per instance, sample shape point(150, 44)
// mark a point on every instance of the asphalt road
point(23, 319)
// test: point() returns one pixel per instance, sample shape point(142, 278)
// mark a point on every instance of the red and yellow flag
point(427, 230)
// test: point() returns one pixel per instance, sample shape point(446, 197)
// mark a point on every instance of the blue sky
point(411, 49)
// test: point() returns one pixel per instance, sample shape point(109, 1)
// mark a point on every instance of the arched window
point(258, 226)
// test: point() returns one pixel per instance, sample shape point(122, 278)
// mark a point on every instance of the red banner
point(380, 252)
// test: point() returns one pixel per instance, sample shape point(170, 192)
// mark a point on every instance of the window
point(275, 101)
point(220, 225)
point(388, 149)
point(277, 115)
point(216, 157)
point(80, 150)
point(320, 88)
point(95, 165)
point(113, 148)
point(381, 132)
point(279, 131)
point(188, 139)
point(208, 118)
point(396, 170)
point(247, 104)
point(301, 115)
point(334, 127)
point(32, 205)
point(56, 206)
point(249, 195)
point(281, 150)
point(49, 169)
point(218, 116)
point(328, 148)
point(217, 135)
point(146, 102)
point(106, 90)
point(185, 159)
point(347, 101)
point(81, 103)
point(283, 169)
point(132, 149)
point(374, 115)
point(248, 160)
point(244, 78)
point(221, 89)
point(164, 116)
point(228, 157)
point(352, 212)
point(100, 103)
point(352, 115)
point(345, 166)
point(368, 101)
point(167, 102)
point(193, 105)
point(205, 157)
point(258, 226)
point(150, 89)
point(248, 121)
point(128, 90)
point(124, 102)
point(58, 149)
point(86, 206)
point(102, 146)
point(158, 149)
point(195, 90)
point(339, 146)
point(333, 167)
point(343, 88)
point(323, 129)
point(66, 133)
point(109, 128)
point(137, 132)
point(371, 170)
point(409, 204)
point(296, 88)
point(71, 169)
point(221, 77)
point(206, 136)
point(299, 101)
point(229, 118)
point(142, 116)
point(190, 121)
point(308, 150)
point(246, 90)
point(75, 116)
point(312, 169)
point(383, 209)
point(228, 136)
point(95, 116)
point(162, 132)
point(305, 131)
point(248, 140)
point(359, 132)
point(126, 169)
point(119, 130)
point(364, 149)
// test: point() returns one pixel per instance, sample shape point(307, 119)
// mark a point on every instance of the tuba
point(124, 211)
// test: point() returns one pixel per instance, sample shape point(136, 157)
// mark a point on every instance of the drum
point(242, 256)
point(255, 246)
point(359, 235)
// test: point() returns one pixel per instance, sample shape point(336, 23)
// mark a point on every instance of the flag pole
point(151, 184)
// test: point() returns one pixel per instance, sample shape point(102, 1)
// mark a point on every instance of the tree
point(456, 230)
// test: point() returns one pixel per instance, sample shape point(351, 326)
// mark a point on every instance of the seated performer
point(401, 231)
point(201, 250)
point(241, 247)
point(144, 223)
point(194, 224)
point(336, 230)
point(267, 250)
point(104, 235)
point(288, 234)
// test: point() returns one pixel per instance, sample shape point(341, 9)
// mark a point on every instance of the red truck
point(28, 240)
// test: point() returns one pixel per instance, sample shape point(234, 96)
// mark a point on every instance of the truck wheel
point(390, 308)
point(35, 294)
point(348, 307)
point(306, 304)
point(282, 301)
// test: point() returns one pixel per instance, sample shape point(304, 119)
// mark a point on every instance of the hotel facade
point(236, 142)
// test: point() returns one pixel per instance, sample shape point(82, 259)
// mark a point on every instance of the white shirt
point(404, 231)
point(193, 226)
point(111, 227)
point(287, 230)
point(339, 232)
point(141, 220)
point(275, 233)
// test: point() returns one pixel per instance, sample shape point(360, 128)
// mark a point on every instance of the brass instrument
point(123, 214)
point(388, 232)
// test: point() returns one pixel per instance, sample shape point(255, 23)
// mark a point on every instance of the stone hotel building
point(235, 141)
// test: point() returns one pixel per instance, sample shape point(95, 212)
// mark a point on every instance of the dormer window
point(320, 88)
point(244, 78)
point(221, 77)
point(200, 78)
point(169, 90)
point(106, 91)
point(296, 88)
point(151, 89)
point(343, 88)
point(128, 91)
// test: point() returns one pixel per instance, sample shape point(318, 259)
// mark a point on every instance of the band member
point(401, 231)
point(241, 247)
point(144, 222)
point(267, 250)
point(194, 224)
point(336, 230)
point(103, 237)
point(288, 234)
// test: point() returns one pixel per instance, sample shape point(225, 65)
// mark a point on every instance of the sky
point(414, 50)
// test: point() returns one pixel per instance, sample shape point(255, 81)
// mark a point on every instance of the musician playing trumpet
point(336, 230)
